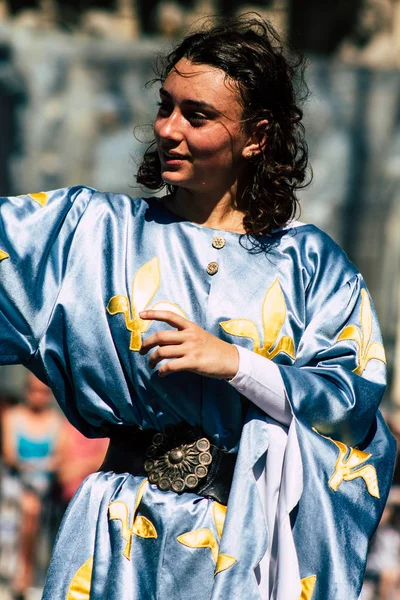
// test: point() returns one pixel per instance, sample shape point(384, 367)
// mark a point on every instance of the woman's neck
point(217, 211)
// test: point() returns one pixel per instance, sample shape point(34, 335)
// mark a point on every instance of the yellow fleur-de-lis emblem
point(349, 467)
point(141, 527)
point(273, 318)
point(145, 284)
point(79, 588)
point(204, 538)
point(367, 350)
point(3, 255)
point(41, 197)
point(307, 587)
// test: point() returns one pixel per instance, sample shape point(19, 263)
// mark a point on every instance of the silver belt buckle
point(179, 467)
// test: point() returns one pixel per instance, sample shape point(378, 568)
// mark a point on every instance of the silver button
point(218, 242)
point(212, 268)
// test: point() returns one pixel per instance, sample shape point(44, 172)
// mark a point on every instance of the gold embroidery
point(81, 583)
point(307, 587)
point(141, 527)
point(344, 469)
point(366, 350)
point(201, 538)
point(273, 318)
point(145, 284)
point(219, 513)
point(224, 562)
point(41, 198)
point(204, 538)
point(3, 255)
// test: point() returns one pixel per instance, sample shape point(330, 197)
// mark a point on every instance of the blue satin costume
point(76, 267)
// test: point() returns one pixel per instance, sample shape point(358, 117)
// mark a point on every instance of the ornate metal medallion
point(177, 467)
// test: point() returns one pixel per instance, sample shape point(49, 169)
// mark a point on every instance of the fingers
point(166, 316)
point(173, 366)
point(161, 338)
point(165, 352)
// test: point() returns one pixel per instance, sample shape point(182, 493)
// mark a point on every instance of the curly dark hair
point(271, 85)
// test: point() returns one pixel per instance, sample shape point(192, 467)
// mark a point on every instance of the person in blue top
point(231, 354)
point(31, 445)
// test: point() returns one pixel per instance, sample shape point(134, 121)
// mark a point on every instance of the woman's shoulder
point(308, 233)
point(308, 236)
point(316, 251)
point(15, 416)
point(81, 197)
point(75, 193)
point(119, 202)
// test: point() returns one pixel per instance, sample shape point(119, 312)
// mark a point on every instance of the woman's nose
point(169, 127)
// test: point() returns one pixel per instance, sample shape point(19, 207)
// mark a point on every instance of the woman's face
point(37, 395)
point(198, 130)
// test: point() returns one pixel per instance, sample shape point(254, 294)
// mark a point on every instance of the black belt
point(179, 458)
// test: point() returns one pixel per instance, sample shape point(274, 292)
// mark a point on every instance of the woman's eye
point(163, 107)
point(197, 119)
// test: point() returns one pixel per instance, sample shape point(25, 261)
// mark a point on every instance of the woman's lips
point(173, 159)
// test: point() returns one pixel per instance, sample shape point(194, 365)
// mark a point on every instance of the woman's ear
point(257, 141)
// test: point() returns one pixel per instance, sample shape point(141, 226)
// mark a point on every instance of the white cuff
point(260, 381)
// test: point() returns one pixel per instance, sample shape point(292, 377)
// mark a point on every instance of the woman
point(30, 445)
point(274, 365)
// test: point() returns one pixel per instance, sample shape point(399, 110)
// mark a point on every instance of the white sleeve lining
point(260, 381)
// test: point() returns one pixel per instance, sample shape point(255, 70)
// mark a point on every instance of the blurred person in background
point(31, 434)
point(228, 351)
point(78, 456)
point(382, 581)
point(383, 565)
point(9, 494)
point(393, 421)
point(6, 402)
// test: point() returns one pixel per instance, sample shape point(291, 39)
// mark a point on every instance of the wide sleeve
point(36, 232)
point(347, 453)
point(338, 378)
